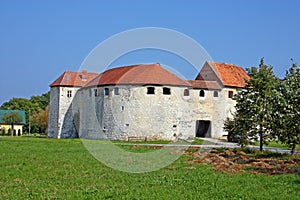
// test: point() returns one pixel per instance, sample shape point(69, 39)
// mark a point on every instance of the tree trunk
point(293, 148)
point(260, 141)
point(12, 129)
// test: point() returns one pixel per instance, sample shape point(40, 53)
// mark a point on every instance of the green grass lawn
point(277, 145)
point(41, 168)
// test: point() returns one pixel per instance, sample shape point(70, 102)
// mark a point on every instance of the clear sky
point(41, 39)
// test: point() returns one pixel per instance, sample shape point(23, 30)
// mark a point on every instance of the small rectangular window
point(216, 94)
point(96, 92)
point(106, 91)
point(230, 94)
point(150, 90)
point(166, 91)
point(116, 91)
point(202, 93)
point(186, 92)
point(69, 93)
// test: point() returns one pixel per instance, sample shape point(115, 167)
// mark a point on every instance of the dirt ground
point(233, 161)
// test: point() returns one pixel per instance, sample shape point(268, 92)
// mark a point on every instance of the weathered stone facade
point(127, 109)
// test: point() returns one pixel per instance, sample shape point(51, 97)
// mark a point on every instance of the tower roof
point(228, 74)
point(74, 79)
point(150, 74)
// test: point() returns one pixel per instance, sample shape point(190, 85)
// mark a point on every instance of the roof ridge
point(139, 74)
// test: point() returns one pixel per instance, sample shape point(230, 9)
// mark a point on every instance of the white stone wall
point(61, 122)
point(53, 113)
point(133, 112)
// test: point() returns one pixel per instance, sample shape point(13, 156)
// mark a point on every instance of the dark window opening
point(174, 126)
point(166, 91)
point(96, 92)
point(202, 93)
point(216, 93)
point(150, 90)
point(106, 91)
point(186, 92)
point(230, 94)
point(69, 93)
point(116, 91)
point(122, 107)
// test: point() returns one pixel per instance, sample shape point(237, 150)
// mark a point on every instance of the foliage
point(21, 104)
point(40, 118)
point(31, 106)
point(253, 117)
point(234, 134)
point(41, 168)
point(287, 123)
point(12, 118)
point(42, 101)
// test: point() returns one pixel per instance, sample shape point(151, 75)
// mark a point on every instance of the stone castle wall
point(133, 112)
point(61, 119)
point(125, 111)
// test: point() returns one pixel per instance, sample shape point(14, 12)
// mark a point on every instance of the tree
point(12, 118)
point(21, 104)
point(31, 107)
point(253, 117)
point(42, 101)
point(286, 123)
point(40, 118)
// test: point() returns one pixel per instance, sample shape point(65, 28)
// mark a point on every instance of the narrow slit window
point(202, 93)
point(216, 94)
point(186, 92)
point(230, 94)
point(69, 93)
point(166, 91)
point(150, 90)
point(96, 92)
point(116, 91)
point(106, 91)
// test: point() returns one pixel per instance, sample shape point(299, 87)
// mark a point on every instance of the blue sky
point(41, 39)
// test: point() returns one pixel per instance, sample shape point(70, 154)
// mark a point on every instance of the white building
point(143, 101)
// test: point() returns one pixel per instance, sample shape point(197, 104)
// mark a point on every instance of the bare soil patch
point(231, 161)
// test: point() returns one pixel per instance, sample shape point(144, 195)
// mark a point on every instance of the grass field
point(277, 145)
point(41, 168)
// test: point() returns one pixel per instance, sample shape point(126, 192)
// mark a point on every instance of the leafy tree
point(42, 101)
point(253, 117)
point(21, 104)
point(31, 107)
point(41, 119)
point(12, 119)
point(286, 123)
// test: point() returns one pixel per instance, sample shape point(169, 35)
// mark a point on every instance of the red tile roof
point(74, 79)
point(201, 84)
point(151, 74)
point(230, 75)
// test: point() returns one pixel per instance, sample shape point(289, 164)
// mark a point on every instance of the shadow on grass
point(34, 136)
point(297, 181)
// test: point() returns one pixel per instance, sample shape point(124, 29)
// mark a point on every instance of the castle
point(143, 101)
